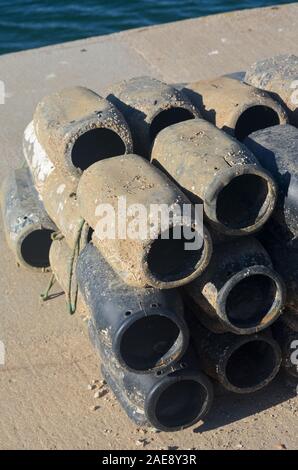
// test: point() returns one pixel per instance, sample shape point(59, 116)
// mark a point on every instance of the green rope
point(72, 306)
point(57, 236)
point(45, 295)
point(76, 250)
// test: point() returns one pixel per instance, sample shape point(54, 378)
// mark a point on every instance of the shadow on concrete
point(55, 295)
point(230, 407)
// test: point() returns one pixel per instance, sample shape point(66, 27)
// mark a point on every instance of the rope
point(76, 250)
point(57, 236)
point(45, 295)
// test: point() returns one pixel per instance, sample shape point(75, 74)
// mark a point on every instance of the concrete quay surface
point(44, 399)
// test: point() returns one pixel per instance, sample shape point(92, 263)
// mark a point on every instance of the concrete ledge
point(44, 402)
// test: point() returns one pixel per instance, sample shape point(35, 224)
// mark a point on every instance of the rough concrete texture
point(44, 397)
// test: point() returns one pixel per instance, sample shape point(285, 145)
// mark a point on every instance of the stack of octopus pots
point(169, 213)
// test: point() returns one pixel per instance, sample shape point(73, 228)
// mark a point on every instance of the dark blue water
point(25, 24)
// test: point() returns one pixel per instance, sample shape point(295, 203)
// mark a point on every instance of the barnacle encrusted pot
point(72, 129)
point(276, 148)
point(279, 76)
point(169, 400)
point(285, 331)
point(123, 199)
point(242, 364)
point(213, 168)
point(143, 327)
point(239, 292)
point(60, 201)
point(27, 226)
point(149, 106)
point(234, 106)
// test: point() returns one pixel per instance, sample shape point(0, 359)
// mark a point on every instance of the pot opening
point(94, 145)
point(170, 260)
point(251, 364)
point(168, 117)
point(181, 403)
point(250, 300)
point(149, 342)
point(255, 118)
point(243, 201)
point(35, 248)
